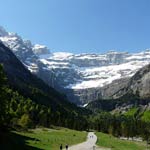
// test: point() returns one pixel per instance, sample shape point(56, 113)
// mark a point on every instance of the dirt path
point(90, 144)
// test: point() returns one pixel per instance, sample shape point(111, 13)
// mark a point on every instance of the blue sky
point(80, 26)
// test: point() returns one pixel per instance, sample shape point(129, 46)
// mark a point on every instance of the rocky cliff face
point(113, 90)
point(134, 92)
point(140, 83)
point(28, 53)
point(83, 77)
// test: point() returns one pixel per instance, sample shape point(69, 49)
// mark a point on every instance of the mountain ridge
point(135, 93)
point(75, 72)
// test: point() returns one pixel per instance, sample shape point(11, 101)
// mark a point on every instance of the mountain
point(136, 92)
point(28, 85)
point(27, 53)
point(20, 78)
point(139, 84)
point(83, 77)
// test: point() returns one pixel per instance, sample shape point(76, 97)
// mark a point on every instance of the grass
point(14, 141)
point(50, 139)
point(105, 140)
point(131, 112)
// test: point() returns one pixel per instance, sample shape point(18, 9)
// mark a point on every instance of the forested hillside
point(133, 123)
point(29, 102)
point(17, 111)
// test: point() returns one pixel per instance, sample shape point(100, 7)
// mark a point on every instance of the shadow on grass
point(13, 141)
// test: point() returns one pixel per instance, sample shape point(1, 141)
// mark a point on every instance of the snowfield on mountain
point(67, 71)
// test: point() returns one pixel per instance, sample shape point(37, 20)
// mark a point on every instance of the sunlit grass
point(49, 139)
point(105, 140)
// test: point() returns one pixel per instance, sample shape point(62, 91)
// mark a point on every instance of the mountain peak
point(40, 49)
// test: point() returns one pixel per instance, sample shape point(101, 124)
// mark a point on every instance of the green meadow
point(105, 140)
point(43, 139)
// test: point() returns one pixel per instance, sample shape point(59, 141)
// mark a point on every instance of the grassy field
point(50, 139)
point(104, 140)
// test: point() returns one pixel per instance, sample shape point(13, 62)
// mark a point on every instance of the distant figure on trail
point(66, 147)
point(61, 147)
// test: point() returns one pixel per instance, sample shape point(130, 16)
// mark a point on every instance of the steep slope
point(136, 92)
point(19, 77)
point(30, 86)
point(27, 53)
point(139, 84)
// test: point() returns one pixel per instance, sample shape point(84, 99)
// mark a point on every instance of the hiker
point(61, 147)
point(93, 147)
point(66, 147)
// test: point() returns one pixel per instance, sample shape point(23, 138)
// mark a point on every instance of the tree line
point(134, 123)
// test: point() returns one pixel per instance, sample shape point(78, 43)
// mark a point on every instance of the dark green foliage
point(3, 97)
point(17, 111)
point(44, 105)
point(111, 104)
point(24, 113)
point(25, 121)
point(133, 123)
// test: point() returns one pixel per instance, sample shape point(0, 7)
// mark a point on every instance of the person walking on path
point(61, 147)
point(66, 147)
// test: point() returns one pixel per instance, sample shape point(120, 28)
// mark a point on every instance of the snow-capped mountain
point(74, 72)
point(94, 70)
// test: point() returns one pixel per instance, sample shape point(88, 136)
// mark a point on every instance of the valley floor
point(40, 139)
point(51, 139)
